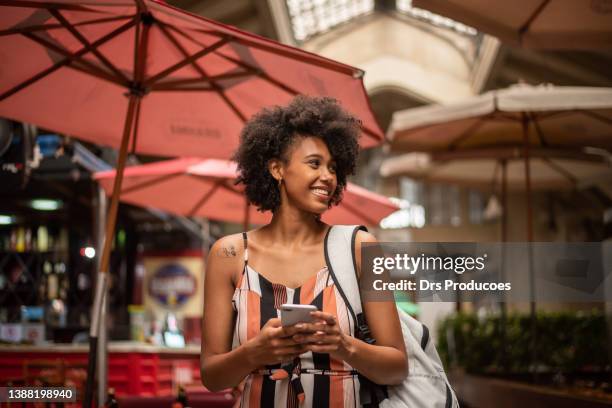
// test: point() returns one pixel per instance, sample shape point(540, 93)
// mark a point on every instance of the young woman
point(293, 161)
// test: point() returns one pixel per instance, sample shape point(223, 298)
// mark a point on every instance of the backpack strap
point(339, 243)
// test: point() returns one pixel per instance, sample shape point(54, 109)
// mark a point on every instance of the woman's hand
point(325, 336)
point(275, 344)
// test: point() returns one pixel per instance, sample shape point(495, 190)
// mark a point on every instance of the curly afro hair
point(270, 134)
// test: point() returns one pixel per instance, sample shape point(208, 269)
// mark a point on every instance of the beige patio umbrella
point(551, 169)
point(522, 117)
point(552, 24)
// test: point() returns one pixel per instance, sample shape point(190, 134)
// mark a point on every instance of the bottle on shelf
point(181, 399)
point(111, 401)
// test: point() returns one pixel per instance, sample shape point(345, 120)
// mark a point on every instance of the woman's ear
point(275, 167)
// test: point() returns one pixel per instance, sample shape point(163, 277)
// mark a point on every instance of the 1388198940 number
point(37, 394)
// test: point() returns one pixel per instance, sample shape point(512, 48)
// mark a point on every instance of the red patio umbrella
point(146, 77)
point(205, 188)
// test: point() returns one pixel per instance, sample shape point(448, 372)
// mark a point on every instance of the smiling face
point(309, 175)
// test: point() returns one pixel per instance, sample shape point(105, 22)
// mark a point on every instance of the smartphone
point(292, 314)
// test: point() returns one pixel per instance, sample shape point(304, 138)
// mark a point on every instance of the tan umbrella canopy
point(551, 169)
point(553, 24)
point(554, 117)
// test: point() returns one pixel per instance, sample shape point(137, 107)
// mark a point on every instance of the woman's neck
point(294, 227)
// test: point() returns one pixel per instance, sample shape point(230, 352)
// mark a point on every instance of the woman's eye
point(314, 163)
point(332, 169)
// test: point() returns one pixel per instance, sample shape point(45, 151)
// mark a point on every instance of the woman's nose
point(326, 174)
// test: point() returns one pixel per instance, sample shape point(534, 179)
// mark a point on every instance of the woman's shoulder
point(229, 246)
point(364, 236)
point(227, 256)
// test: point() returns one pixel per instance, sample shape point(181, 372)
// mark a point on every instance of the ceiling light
point(46, 205)
point(6, 220)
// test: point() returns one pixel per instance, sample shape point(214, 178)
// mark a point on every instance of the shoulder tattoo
point(227, 251)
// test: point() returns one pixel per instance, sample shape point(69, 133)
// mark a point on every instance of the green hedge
point(566, 342)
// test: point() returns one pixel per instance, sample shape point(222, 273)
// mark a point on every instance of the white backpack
point(426, 384)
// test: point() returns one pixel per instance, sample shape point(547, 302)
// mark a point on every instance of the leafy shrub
point(565, 342)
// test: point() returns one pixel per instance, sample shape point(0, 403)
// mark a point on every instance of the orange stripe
point(239, 285)
point(253, 314)
point(336, 384)
point(255, 391)
point(307, 291)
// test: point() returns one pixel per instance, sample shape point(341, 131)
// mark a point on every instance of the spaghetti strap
point(246, 248)
point(245, 269)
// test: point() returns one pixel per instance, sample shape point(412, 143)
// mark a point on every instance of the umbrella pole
point(504, 238)
point(532, 304)
point(102, 278)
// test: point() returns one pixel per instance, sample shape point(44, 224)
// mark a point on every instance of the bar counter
point(135, 369)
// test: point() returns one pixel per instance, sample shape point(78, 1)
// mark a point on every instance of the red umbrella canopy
point(70, 66)
point(206, 188)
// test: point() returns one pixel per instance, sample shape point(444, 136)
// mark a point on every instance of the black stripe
point(296, 296)
point(267, 312)
point(425, 338)
point(320, 394)
point(449, 397)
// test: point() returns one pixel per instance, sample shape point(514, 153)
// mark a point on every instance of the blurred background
point(545, 354)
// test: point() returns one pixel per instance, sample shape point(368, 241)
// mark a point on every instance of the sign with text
point(496, 272)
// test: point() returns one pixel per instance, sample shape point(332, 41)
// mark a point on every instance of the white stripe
point(254, 280)
point(307, 361)
point(343, 321)
point(320, 284)
point(308, 385)
point(246, 392)
point(347, 386)
point(280, 393)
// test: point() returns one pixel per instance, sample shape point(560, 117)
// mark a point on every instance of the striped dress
point(324, 381)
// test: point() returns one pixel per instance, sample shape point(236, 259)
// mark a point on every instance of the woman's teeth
point(321, 191)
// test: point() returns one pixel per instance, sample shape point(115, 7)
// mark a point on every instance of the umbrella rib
point(89, 68)
point(216, 87)
point(77, 34)
point(597, 116)
point(46, 27)
point(523, 29)
point(538, 129)
point(152, 80)
point(204, 199)
point(190, 89)
point(308, 58)
point(279, 84)
point(64, 62)
point(38, 5)
point(147, 183)
point(180, 48)
point(177, 83)
point(560, 170)
point(468, 132)
point(258, 72)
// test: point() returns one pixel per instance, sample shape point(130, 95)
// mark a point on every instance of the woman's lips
point(320, 194)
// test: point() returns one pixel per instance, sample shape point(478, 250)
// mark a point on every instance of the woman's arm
point(221, 366)
point(384, 362)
